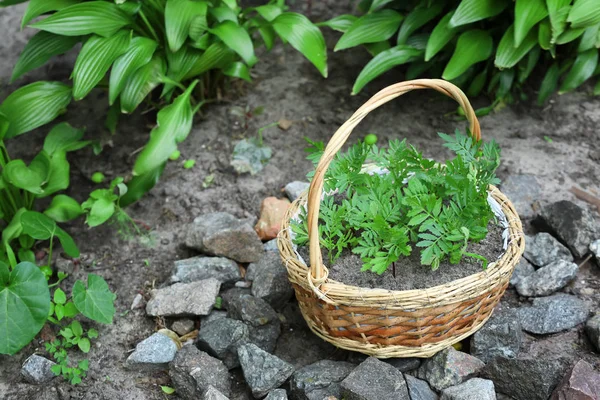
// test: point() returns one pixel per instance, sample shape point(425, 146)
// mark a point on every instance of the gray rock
point(301, 347)
point(419, 389)
point(277, 394)
point(543, 249)
point(580, 383)
point(523, 191)
point(270, 280)
point(262, 371)
point(271, 245)
point(500, 336)
point(374, 380)
point(553, 314)
point(37, 369)
point(214, 315)
point(524, 379)
point(595, 249)
point(193, 372)
point(448, 368)
point(213, 394)
point(473, 389)
point(319, 380)
point(262, 320)
point(548, 279)
point(200, 268)
point(138, 302)
point(573, 225)
point(153, 353)
point(184, 299)
point(523, 269)
point(233, 293)
point(222, 337)
point(404, 364)
point(183, 326)
point(592, 328)
point(293, 190)
point(222, 234)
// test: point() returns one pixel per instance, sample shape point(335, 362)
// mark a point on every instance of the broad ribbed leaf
point(141, 83)
point(340, 23)
point(472, 47)
point(179, 15)
point(419, 16)
point(94, 60)
point(35, 8)
point(139, 54)
point(174, 123)
point(440, 36)
point(304, 36)
point(268, 35)
point(383, 62)
point(238, 70)
point(34, 105)
point(475, 10)
point(198, 28)
point(376, 48)
point(63, 138)
point(269, 11)
point(507, 55)
point(370, 28)
point(527, 14)
point(545, 35)
point(477, 84)
point(581, 71)
point(7, 3)
point(570, 35)
point(237, 39)
point(589, 38)
point(41, 48)
point(223, 14)
point(140, 185)
point(584, 13)
point(558, 10)
point(377, 4)
point(99, 17)
point(218, 55)
point(549, 83)
point(179, 65)
point(63, 208)
point(527, 65)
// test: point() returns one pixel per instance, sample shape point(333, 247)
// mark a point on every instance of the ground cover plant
point(408, 201)
point(482, 46)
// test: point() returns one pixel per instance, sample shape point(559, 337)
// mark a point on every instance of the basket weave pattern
point(386, 323)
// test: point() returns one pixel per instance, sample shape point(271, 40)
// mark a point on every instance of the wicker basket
point(386, 323)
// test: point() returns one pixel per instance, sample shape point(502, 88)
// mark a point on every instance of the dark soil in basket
point(410, 274)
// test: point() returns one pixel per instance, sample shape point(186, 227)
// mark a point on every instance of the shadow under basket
point(385, 323)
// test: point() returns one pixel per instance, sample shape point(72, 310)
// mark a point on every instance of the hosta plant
point(172, 54)
point(406, 203)
point(484, 46)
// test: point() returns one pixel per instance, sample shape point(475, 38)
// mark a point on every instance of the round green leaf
point(63, 208)
point(59, 296)
point(96, 301)
point(84, 345)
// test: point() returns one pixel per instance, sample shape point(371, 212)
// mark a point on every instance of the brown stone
point(582, 382)
point(272, 211)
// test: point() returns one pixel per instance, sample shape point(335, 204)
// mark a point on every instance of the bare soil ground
point(288, 87)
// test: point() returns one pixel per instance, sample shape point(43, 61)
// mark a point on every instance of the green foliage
point(484, 46)
point(439, 209)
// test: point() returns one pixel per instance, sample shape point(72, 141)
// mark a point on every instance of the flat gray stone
point(213, 394)
point(277, 394)
point(293, 190)
point(592, 328)
point(404, 364)
point(184, 299)
point(214, 315)
point(374, 380)
point(553, 314)
point(522, 269)
point(199, 268)
point(221, 338)
point(319, 380)
point(183, 326)
point(522, 190)
point(222, 234)
point(543, 249)
point(262, 371)
point(263, 322)
point(449, 367)
point(419, 389)
point(473, 389)
point(193, 372)
point(270, 280)
point(547, 279)
point(153, 353)
point(37, 370)
point(500, 336)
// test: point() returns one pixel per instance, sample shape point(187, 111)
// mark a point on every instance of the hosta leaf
point(371, 28)
point(304, 36)
point(41, 48)
point(527, 65)
point(419, 16)
point(237, 39)
point(545, 35)
point(34, 105)
point(96, 301)
point(268, 35)
point(475, 10)
point(99, 17)
point(549, 83)
point(222, 14)
point(140, 185)
point(218, 55)
point(472, 47)
point(340, 23)
point(507, 55)
point(376, 48)
point(63, 208)
point(477, 84)
point(569, 35)
point(527, 14)
point(269, 11)
point(139, 54)
point(383, 62)
point(7, 3)
point(558, 10)
point(238, 70)
point(582, 70)
point(63, 138)
point(179, 66)
point(24, 305)
point(589, 38)
point(174, 123)
point(35, 8)
point(440, 36)
point(179, 15)
point(58, 174)
point(584, 13)
point(94, 60)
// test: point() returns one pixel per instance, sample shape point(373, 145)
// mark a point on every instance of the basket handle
point(342, 134)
